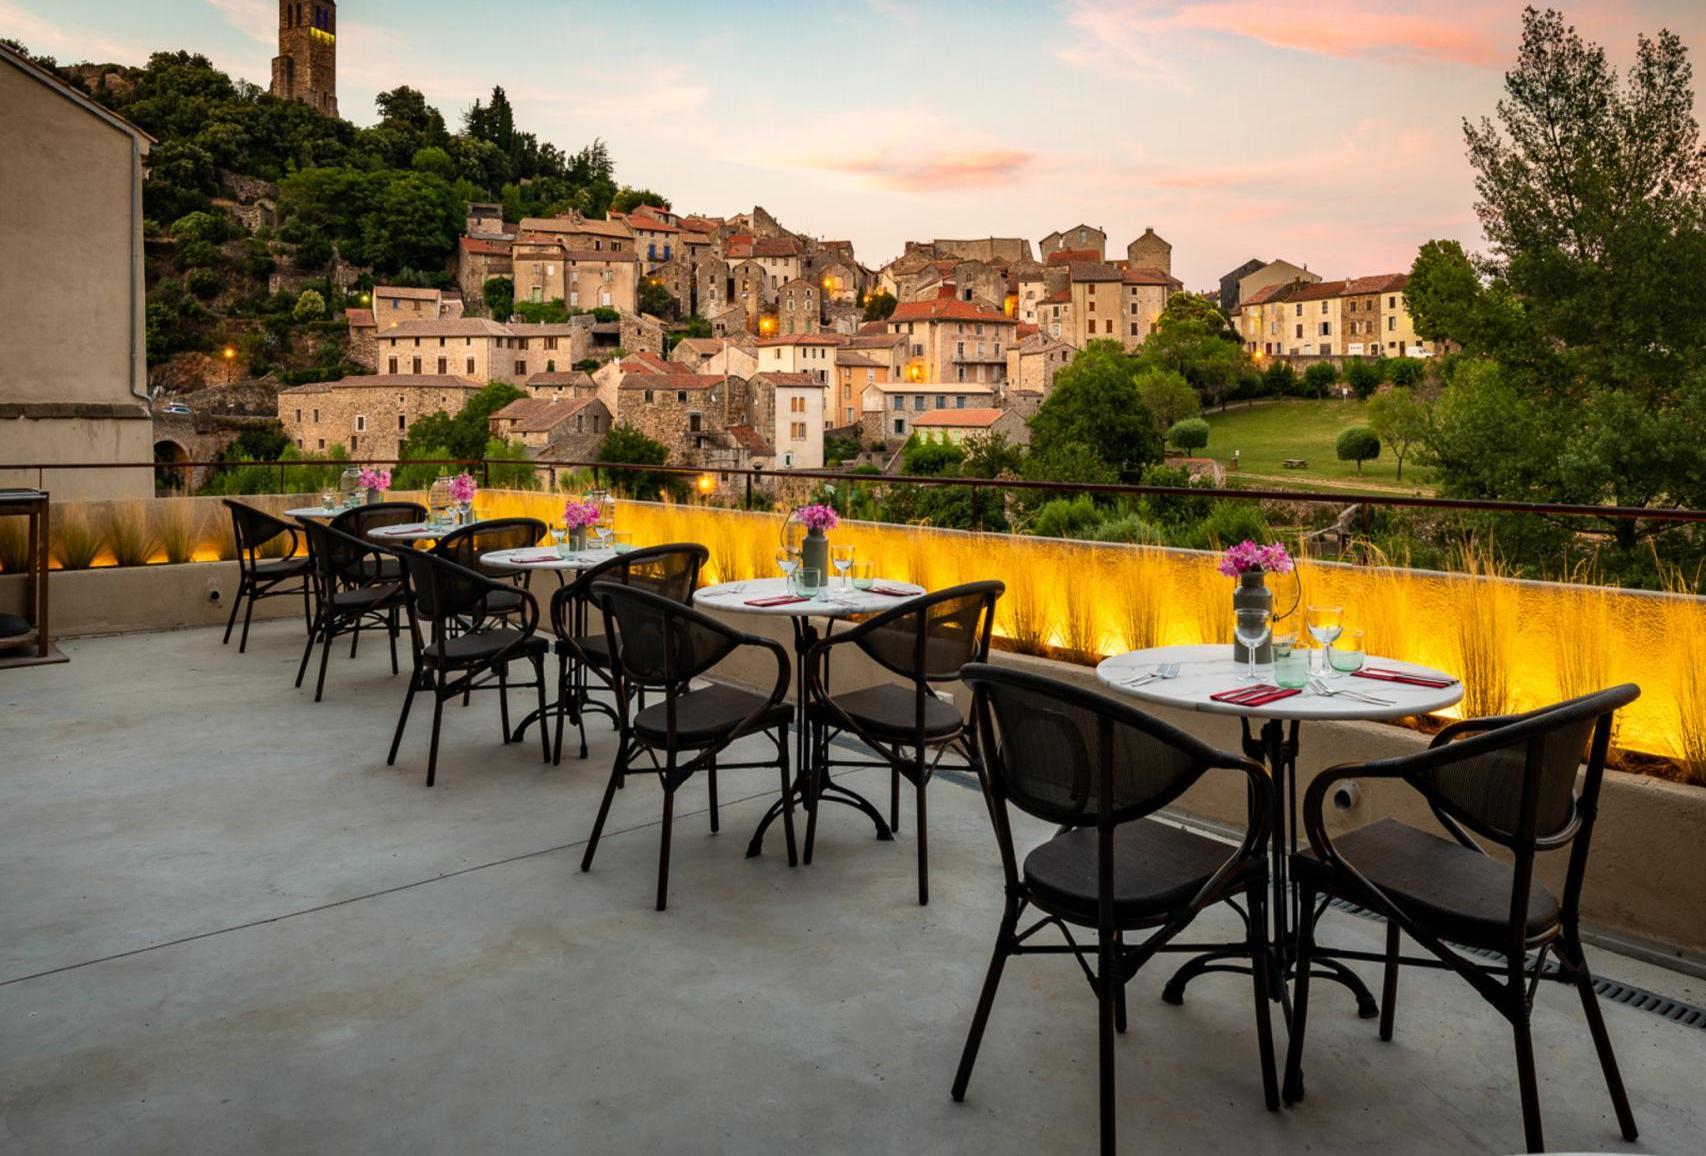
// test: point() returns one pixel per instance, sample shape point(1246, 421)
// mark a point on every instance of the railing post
point(976, 509)
point(748, 503)
point(485, 474)
point(281, 474)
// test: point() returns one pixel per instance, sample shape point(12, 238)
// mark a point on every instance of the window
point(360, 422)
point(1134, 329)
point(941, 401)
point(1391, 324)
point(694, 423)
point(796, 404)
point(681, 396)
point(960, 401)
point(1300, 330)
point(322, 442)
point(899, 402)
point(298, 417)
point(316, 417)
point(899, 428)
point(1134, 309)
point(960, 349)
point(391, 366)
point(416, 362)
point(918, 401)
point(797, 431)
point(444, 365)
point(402, 422)
point(1299, 308)
point(1107, 327)
point(470, 367)
point(354, 443)
point(648, 397)
point(1326, 329)
point(521, 368)
point(1323, 307)
point(1392, 303)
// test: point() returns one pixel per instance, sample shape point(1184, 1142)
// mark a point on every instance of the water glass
point(1251, 625)
point(622, 543)
point(842, 557)
point(807, 581)
point(1325, 623)
point(1345, 656)
point(328, 501)
point(1291, 663)
point(864, 575)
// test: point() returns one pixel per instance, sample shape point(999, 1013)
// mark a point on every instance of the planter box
point(121, 599)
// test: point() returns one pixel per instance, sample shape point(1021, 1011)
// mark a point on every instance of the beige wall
point(321, 417)
point(70, 246)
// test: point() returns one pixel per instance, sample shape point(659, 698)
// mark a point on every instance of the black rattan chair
point(927, 642)
point(1099, 768)
point(671, 571)
point(459, 645)
point(1511, 781)
point(361, 521)
point(464, 546)
point(350, 594)
point(260, 577)
point(658, 642)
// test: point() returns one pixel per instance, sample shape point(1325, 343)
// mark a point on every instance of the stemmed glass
point(557, 535)
point(788, 561)
point(1325, 623)
point(603, 531)
point(842, 557)
point(1251, 625)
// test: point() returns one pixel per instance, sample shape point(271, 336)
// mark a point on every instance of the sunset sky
point(1326, 132)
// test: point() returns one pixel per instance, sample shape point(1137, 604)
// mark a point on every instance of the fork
point(1164, 671)
point(1320, 687)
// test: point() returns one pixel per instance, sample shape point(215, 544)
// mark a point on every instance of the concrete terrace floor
point(227, 926)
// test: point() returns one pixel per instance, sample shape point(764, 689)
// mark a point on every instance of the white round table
point(409, 532)
point(316, 512)
point(1209, 669)
point(737, 598)
point(545, 557)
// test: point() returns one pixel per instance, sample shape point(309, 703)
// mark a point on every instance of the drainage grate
point(1639, 998)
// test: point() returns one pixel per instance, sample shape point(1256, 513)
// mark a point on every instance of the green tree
point(310, 306)
point(435, 161)
point(1168, 395)
point(1319, 378)
point(416, 224)
point(629, 199)
point(626, 445)
point(1585, 317)
point(1190, 434)
point(1358, 444)
point(1364, 375)
point(1401, 420)
point(879, 305)
point(1095, 404)
point(656, 299)
point(1279, 379)
point(930, 458)
point(1404, 371)
point(499, 293)
point(463, 436)
point(1192, 338)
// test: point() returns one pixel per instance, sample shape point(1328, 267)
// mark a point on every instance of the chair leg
point(503, 698)
point(985, 1001)
point(711, 782)
point(923, 851)
point(565, 695)
point(1571, 949)
point(1105, 1042)
point(663, 846)
point(1389, 982)
point(308, 649)
point(325, 653)
point(1525, 1077)
point(1261, 964)
point(539, 681)
point(355, 636)
point(248, 613)
point(604, 807)
point(894, 800)
point(307, 601)
point(391, 629)
point(432, 751)
point(814, 784)
point(1292, 1091)
point(236, 601)
point(403, 718)
point(787, 794)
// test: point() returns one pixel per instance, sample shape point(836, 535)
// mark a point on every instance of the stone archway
point(171, 470)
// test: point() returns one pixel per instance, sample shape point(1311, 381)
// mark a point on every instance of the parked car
point(175, 409)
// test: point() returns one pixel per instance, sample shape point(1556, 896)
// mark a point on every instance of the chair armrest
point(1472, 726)
point(1315, 799)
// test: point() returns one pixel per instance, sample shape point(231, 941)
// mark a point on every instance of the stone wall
point(368, 421)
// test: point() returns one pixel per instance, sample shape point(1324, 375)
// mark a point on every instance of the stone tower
point(1150, 252)
point(306, 67)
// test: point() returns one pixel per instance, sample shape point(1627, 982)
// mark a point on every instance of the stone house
point(1228, 296)
point(1271, 274)
point(1054, 314)
point(580, 278)
point(1033, 362)
point(788, 410)
point(467, 347)
point(395, 304)
point(1081, 238)
point(854, 370)
point(981, 283)
point(750, 289)
point(363, 338)
point(1109, 303)
point(485, 219)
point(730, 321)
point(841, 280)
point(676, 277)
point(780, 259)
point(478, 259)
point(369, 415)
point(1007, 249)
point(1150, 252)
point(654, 240)
point(808, 353)
point(710, 286)
point(547, 424)
point(550, 385)
point(687, 413)
point(798, 307)
point(1027, 285)
point(889, 408)
point(717, 355)
point(578, 232)
point(954, 426)
point(951, 340)
point(641, 333)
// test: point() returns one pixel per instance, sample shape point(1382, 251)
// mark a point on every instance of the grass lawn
point(1268, 433)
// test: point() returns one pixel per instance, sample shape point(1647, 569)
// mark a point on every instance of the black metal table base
point(1278, 750)
point(830, 792)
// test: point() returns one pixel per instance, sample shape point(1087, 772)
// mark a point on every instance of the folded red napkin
point(536, 558)
point(1385, 674)
point(895, 591)
point(777, 600)
point(1257, 695)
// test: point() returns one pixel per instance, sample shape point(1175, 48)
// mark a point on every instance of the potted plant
point(579, 517)
point(375, 482)
point(1251, 564)
point(818, 519)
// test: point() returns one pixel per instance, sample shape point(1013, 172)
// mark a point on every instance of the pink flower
point(580, 515)
point(463, 488)
point(372, 479)
point(817, 517)
point(1247, 556)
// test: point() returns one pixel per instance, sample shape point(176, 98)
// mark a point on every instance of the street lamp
point(230, 355)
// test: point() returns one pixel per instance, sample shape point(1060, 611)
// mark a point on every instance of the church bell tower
point(306, 67)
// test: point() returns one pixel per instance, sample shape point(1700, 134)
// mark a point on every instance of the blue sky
point(1325, 132)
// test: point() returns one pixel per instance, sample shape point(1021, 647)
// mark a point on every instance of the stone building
point(798, 307)
point(368, 415)
point(1109, 303)
point(710, 286)
point(578, 232)
point(395, 304)
point(640, 333)
point(654, 239)
point(1027, 285)
point(750, 289)
point(478, 259)
point(780, 259)
point(549, 385)
point(954, 426)
point(1273, 273)
point(787, 409)
point(718, 355)
point(981, 283)
point(1228, 296)
point(306, 67)
point(687, 413)
point(546, 270)
point(363, 338)
point(809, 353)
point(73, 349)
point(1007, 249)
point(1082, 238)
point(564, 429)
point(951, 340)
point(485, 219)
point(854, 370)
point(1150, 252)
point(1054, 314)
point(1033, 362)
point(887, 409)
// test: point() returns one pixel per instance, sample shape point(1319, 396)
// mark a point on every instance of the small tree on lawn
point(1190, 434)
point(1358, 444)
point(310, 306)
point(1320, 377)
point(1401, 420)
point(1363, 375)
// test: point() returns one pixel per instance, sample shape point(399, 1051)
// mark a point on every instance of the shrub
point(312, 252)
point(309, 307)
point(1358, 444)
point(1227, 522)
point(1128, 528)
point(176, 525)
point(1066, 517)
point(499, 293)
point(1279, 379)
point(14, 545)
point(75, 542)
point(197, 254)
point(128, 534)
point(257, 258)
point(1364, 375)
point(1319, 378)
point(199, 226)
point(204, 283)
point(1404, 370)
point(1190, 434)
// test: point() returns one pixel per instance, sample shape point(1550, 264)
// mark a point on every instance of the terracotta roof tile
point(1073, 256)
point(959, 418)
point(541, 414)
point(388, 381)
point(775, 247)
point(946, 309)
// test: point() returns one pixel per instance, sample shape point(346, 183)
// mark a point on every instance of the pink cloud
point(937, 172)
point(1413, 31)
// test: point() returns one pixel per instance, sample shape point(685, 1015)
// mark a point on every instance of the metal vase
point(814, 554)
point(373, 497)
point(1252, 593)
point(577, 539)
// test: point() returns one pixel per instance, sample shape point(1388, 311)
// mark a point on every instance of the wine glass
point(557, 535)
point(1251, 626)
point(788, 561)
point(842, 557)
point(604, 532)
point(1325, 623)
